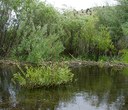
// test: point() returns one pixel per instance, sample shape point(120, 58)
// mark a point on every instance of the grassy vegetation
point(44, 76)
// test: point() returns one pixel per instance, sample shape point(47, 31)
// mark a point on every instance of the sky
point(79, 4)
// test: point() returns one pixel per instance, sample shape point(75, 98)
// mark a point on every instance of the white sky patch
point(79, 4)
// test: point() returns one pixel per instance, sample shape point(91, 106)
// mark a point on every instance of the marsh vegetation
point(34, 31)
point(45, 76)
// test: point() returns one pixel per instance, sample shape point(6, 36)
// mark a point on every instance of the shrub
point(125, 56)
point(38, 47)
point(44, 76)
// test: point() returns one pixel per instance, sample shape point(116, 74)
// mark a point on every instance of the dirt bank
point(70, 63)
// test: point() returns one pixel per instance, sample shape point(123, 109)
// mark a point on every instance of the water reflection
point(96, 88)
point(7, 93)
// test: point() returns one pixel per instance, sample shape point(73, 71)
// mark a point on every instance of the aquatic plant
point(44, 76)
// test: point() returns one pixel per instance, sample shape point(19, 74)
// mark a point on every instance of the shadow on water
point(94, 88)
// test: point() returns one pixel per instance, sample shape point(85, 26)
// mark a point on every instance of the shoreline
point(72, 63)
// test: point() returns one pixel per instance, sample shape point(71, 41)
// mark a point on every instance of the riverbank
point(71, 63)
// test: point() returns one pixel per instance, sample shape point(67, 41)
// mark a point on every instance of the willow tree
point(39, 32)
point(8, 25)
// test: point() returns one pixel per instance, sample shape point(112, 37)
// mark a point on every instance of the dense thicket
point(34, 31)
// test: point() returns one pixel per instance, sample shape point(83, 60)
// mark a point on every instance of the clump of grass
point(44, 76)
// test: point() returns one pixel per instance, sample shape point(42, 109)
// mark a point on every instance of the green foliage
point(122, 10)
point(39, 47)
point(8, 26)
point(44, 76)
point(124, 56)
point(39, 32)
point(104, 41)
point(84, 37)
point(103, 58)
point(49, 49)
point(108, 18)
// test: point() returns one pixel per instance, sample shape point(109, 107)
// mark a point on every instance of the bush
point(39, 47)
point(45, 76)
point(125, 56)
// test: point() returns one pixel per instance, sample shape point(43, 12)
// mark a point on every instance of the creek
point(93, 88)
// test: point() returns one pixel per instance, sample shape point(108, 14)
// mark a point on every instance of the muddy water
point(94, 88)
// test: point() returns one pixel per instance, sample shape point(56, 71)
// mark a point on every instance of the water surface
point(94, 88)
